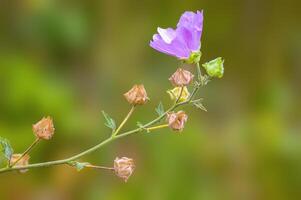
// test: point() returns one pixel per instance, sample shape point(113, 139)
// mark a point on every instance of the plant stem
point(75, 157)
point(124, 121)
point(108, 140)
point(179, 97)
point(99, 167)
point(199, 72)
point(157, 127)
point(25, 152)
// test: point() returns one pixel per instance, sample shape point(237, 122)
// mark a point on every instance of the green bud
point(215, 68)
point(194, 57)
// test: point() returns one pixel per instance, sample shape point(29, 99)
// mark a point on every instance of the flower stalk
point(37, 140)
point(199, 72)
point(99, 167)
point(180, 95)
point(124, 121)
point(156, 127)
point(103, 143)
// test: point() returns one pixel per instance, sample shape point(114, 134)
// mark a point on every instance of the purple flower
point(182, 41)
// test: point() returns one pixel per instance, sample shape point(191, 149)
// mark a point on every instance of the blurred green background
point(71, 59)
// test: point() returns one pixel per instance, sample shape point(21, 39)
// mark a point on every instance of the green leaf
point(199, 105)
point(139, 124)
point(160, 109)
point(109, 121)
point(6, 148)
point(78, 165)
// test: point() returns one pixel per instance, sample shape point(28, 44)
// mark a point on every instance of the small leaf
point(160, 109)
point(139, 124)
point(109, 121)
point(6, 148)
point(205, 79)
point(78, 165)
point(197, 100)
point(199, 105)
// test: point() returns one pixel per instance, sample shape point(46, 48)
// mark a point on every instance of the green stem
point(25, 152)
point(99, 167)
point(124, 121)
point(157, 127)
point(107, 141)
point(90, 150)
point(199, 72)
point(180, 95)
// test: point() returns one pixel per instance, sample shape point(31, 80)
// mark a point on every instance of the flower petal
point(190, 38)
point(167, 34)
point(182, 41)
point(194, 23)
point(192, 20)
point(177, 47)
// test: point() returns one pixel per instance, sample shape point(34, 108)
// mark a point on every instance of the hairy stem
point(180, 95)
point(124, 121)
point(99, 167)
point(199, 72)
point(90, 150)
point(25, 152)
point(157, 127)
point(114, 136)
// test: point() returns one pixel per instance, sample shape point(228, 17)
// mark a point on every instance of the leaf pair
point(110, 123)
point(79, 165)
point(160, 109)
point(6, 148)
point(198, 103)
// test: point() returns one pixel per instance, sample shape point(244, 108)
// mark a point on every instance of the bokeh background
point(71, 59)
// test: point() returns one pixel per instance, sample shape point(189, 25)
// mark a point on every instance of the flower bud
point(181, 77)
point(175, 93)
point(124, 167)
point(194, 57)
point(215, 68)
point(137, 95)
point(44, 129)
point(21, 163)
point(177, 120)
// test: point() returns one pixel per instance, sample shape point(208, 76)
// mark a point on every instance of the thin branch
point(90, 150)
point(26, 152)
point(199, 72)
point(99, 167)
point(108, 140)
point(124, 121)
point(156, 127)
point(180, 95)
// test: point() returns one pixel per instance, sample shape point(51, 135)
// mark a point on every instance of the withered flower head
point(181, 78)
point(124, 167)
point(177, 120)
point(22, 162)
point(44, 128)
point(137, 95)
point(176, 92)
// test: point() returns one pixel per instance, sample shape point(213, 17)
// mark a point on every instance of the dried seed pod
point(181, 78)
point(124, 167)
point(176, 121)
point(21, 163)
point(44, 129)
point(137, 95)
